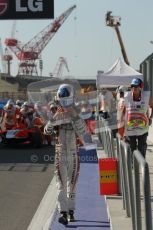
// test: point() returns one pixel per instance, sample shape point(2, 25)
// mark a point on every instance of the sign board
point(26, 9)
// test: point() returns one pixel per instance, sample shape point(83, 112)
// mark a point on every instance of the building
point(146, 68)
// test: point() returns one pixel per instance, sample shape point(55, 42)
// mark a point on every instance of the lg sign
point(26, 9)
point(32, 5)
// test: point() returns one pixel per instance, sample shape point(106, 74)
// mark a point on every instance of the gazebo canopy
point(119, 74)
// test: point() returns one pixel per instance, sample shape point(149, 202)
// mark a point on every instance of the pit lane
point(25, 174)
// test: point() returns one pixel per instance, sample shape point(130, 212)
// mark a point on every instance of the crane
point(7, 56)
point(115, 22)
point(28, 53)
point(57, 73)
point(2, 58)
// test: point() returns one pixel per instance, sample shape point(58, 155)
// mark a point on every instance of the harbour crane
point(3, 64)
point(58, 71)
point(7, 56)
point(28, 53)
point(115, 22)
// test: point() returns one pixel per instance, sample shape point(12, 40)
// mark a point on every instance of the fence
point(129, 176)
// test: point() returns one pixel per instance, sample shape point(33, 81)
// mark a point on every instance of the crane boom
point(2, 58)
point(114, 21)
point(39, 42)
point(57, 73)
point(28, 53)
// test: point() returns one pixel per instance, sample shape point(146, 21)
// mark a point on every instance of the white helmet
point(65, 95)
point(122, 89)
point(18, 102)
point(10, 102)
point(25, 103)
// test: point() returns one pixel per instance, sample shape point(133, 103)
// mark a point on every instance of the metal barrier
point(104, 133)
point(127, 180)
point(130, 185)
point(129, 168)
point(140, 163)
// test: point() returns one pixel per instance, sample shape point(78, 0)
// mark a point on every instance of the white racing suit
point(67, 160)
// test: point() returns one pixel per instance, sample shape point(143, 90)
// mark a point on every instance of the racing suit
point(67, 160)
point(10, 117)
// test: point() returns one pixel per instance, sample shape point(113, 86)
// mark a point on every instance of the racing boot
point(71, 216)
point(63, 218)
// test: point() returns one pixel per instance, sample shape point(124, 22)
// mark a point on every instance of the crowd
point(22, 114)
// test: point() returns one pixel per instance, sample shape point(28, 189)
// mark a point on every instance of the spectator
point(106, 102)
point(137, 116)
point(120, 110)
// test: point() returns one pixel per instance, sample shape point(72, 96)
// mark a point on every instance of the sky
point(84, 40)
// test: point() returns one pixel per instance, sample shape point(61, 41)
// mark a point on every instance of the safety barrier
point(104, 133)
point(131, 185)
point(129, 176)
point(139, 162)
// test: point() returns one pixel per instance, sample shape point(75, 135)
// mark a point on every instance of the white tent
point(119, 74)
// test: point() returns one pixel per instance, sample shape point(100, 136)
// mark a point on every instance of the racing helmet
point(18, 102)
point(52, 106)
point(26, 103)
point(65, 95)
point(9, 104)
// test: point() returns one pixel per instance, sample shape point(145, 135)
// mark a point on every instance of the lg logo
point(26, 9)
point(32, 5)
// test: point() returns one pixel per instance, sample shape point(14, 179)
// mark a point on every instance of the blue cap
point(136, 82)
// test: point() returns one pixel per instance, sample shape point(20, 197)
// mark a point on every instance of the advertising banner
point(26, 9)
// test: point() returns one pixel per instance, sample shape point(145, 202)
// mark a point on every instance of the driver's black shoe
point(71, 216)
point(63, 218)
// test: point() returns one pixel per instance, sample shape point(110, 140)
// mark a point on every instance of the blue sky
point(85, 41)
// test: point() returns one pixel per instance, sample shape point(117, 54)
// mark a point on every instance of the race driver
point(68, 126)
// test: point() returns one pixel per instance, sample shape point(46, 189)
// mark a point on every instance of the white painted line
point(45, 212)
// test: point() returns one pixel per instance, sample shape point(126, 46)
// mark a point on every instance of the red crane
point(28, 53)
point(7, 56)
